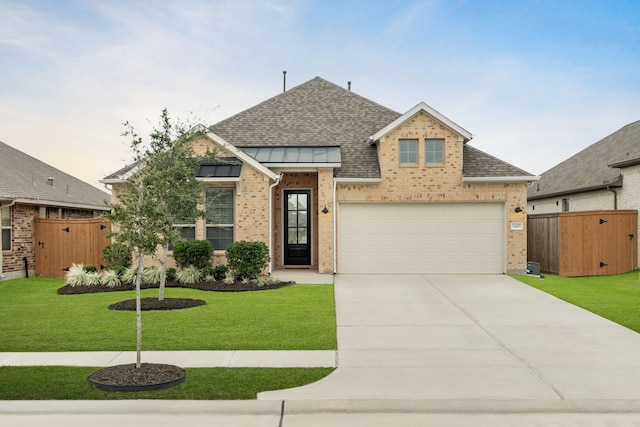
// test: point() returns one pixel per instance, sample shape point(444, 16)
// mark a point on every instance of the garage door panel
point(421, 238)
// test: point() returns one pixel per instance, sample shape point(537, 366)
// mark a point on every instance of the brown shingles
point(589, 169)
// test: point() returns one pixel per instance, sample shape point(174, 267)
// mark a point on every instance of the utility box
point(533, 268)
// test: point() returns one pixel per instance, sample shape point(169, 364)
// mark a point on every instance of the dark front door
point(297, 227)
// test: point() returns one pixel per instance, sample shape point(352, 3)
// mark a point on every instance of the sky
point(534, 81)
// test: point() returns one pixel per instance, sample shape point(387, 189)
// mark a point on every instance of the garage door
point(421, 238)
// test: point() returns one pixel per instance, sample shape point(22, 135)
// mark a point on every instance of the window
point(5, 225)
point(565, 205)
point(408, 151)
point(434, 150)
point(219, 219)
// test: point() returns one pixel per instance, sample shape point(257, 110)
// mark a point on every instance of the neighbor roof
point(595, 167)
point(315, 113)
point(25, 177)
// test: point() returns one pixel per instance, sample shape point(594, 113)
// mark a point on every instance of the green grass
point(35, 318)
point(616, 298)
point(70, 383)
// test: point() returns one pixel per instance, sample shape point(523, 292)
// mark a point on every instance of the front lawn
point(616, 298)
point(70, 383)
point(35, 318)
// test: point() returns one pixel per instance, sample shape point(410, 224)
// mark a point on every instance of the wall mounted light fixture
point(325, 210)
point(518, 209)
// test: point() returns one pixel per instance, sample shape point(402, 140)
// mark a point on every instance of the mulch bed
point(147, 304)
point(149, 376)
point(217, 286)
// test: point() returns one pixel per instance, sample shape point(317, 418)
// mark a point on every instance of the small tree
point(163, 188)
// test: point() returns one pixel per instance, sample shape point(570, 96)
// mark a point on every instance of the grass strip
point(70, 383)
point(616, 297)
point(36, 318)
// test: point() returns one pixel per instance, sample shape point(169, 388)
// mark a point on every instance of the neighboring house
point(605, 175)
point(30, 189)
point(332, 181)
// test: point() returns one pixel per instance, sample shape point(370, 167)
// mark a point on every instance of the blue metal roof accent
point(225, 168)
point(294, 155)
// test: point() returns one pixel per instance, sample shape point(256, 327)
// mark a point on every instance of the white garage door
point(421, 238)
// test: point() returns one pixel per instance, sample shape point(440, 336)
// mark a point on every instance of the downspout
point(271, 187)
point(615, 198)
point(335, 249)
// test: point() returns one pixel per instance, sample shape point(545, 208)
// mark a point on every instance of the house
point(603, 176)
point(30, 189)
point(332, 181)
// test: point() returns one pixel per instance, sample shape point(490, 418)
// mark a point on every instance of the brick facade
point(23, 235)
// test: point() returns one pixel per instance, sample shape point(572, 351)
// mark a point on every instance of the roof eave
point(500, 179)
point(41, 202)
point(617, 183)
point(358, 180)
point(625, 164)
point(465, 134)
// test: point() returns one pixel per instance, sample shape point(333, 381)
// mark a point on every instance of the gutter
point(270, 210)
point(616, 183)
point(500, 179)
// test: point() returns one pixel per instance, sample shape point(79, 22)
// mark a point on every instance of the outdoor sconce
point(325, 210)
point(518, 209)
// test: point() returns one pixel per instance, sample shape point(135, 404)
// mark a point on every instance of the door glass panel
point(292, 238)
point(292, 218)
point(292, 201)
point(302, 202)
point(302, 236)
point(302, 218)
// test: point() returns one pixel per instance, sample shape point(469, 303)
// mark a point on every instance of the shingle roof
point(315, 113)
point(478, 164)
point(591, 168)
point(25, 177)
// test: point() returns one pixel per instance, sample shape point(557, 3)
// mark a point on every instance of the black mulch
point(147, 304)
point(217, 286)
point(149, 376)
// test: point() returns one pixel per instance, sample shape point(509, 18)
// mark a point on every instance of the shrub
point(246, 260)
point(109, 278)
point(116, 254)
point(266, 280)
point(193, 252)
point(207, 271)
point(190, 274)
point(220, 272)
point(90, 268)
point(119, 269)
point(171, 273)
point(92, 278)
point(75, 276)
point(150, 275)
point(129, 276)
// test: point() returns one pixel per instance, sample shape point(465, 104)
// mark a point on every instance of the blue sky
point(534, 81)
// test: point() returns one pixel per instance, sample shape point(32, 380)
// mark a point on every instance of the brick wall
point(439, 183)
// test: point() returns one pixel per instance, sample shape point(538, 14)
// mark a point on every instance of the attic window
point(434, 150)
point(408, 151)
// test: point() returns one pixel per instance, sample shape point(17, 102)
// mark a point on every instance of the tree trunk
point(163, 272)
point(138, 313)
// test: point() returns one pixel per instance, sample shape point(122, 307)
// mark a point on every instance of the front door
point(297, 227)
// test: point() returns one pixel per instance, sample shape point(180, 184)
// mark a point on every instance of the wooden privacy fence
point(589, 243)
point(62, 242)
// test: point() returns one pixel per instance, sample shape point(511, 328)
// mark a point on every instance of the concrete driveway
point(474, 342)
